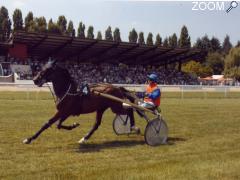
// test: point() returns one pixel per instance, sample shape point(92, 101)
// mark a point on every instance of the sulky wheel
point(156, 132)
point(121, 124)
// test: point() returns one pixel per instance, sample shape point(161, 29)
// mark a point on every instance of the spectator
point(110, 73)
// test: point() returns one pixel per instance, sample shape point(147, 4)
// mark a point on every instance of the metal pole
point(27, 93)
point(122, 101)
point(225, 92)
point(182, 92)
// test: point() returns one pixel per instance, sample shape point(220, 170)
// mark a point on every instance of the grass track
point(203, 144)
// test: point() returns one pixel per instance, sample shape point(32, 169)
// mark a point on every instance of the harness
point(84, 91)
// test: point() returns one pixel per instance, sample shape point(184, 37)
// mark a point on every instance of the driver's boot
point(135, 129)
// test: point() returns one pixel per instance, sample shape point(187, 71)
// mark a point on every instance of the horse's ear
point(54, 62)
point(50, 64)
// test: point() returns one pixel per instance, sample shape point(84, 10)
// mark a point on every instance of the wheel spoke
point(156, 132)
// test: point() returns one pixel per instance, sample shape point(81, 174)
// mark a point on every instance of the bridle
point(53, 94)
point(57, 100)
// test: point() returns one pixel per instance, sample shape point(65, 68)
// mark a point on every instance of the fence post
point(205, 94)
point(182, 92)
point(225, 92)
point(27, 93)
point(37, 94)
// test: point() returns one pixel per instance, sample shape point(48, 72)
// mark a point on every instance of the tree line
point(64, 27)
point(221, 58)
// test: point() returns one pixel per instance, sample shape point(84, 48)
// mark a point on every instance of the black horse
point(71, 101)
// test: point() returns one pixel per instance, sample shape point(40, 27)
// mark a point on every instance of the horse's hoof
point(82, 141)
point(75, 125)
point(26, 141)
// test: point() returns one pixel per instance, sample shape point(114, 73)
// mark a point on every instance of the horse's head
point(46, 74)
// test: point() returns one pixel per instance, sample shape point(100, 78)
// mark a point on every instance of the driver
point(152, 98)
point(153, 93)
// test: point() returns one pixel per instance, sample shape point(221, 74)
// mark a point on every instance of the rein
point(66, 93)
point(53, 95)
point(57, 100)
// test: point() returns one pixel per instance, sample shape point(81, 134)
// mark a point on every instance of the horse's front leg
point(44, 127)
point(60, 126)
point(94, 128)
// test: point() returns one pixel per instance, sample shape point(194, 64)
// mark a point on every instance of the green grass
point(204, 142)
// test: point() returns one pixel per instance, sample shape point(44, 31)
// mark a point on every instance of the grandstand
point(94, 60)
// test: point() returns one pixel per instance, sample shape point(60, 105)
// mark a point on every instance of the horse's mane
point(67, 75)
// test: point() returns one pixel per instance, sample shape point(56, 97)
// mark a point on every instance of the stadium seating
point(110, 73)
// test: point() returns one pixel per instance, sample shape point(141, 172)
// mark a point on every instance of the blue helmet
point(153, 77)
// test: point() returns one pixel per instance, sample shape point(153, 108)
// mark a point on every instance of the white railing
point(178, 91)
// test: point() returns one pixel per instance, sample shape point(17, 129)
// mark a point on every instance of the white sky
point(165, 18)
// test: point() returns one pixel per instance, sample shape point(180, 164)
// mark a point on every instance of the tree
point(108, 34)
point(5, 24)
point(28, 21)
point(238, 44)
point(204, 43)
point(184, 40)
point(232, 64)
point(70, 29)
point(62, 24)
point(141, 38)
point(215, 45)
point(17, 20)
point(233, 73)
point(32, 26)
point(165, 42)
point(216, 62)
point(198, 44)
point(116, 35)
point(173, 41)
point(150, 39)
point(158, 41)
point(90, 34)
point(226, 45)
point(53, 27)
point(99, 35)
point(81, 30)
point(197, 69)
point(41, 24)
point(133, 36)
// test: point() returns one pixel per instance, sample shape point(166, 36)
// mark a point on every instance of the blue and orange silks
point(153, 94)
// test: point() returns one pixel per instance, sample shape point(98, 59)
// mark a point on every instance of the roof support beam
point(135, 56)
point(169, 56)
point(81, 50)
point(38, 43)
point(179, 58)
point(149, 59)
point(56, 51)
point(121, 53)
point(101, 53)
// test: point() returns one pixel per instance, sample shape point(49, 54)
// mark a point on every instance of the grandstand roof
point(4, 48)
point(62, 47)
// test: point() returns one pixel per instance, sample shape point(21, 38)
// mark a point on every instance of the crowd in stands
point(21, 68)
point(122, 74)
point(109, 73)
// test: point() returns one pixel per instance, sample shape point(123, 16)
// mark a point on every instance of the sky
point(163, 17)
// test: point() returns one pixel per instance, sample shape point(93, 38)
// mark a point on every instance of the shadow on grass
point(95, 147)
point(173, 140)
point(86, 148)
